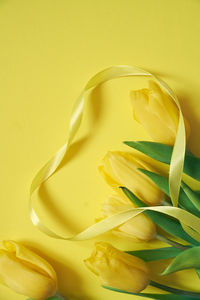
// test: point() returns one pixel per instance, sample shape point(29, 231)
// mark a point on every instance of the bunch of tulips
point(135, 184)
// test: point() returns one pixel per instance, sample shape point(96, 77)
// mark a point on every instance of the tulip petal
point(118, 269)
point(149, 118)
point(155, 110)
point(30, 258)
point(24, 280)
point(138, 228)
point(163, 106)
point(121, 168)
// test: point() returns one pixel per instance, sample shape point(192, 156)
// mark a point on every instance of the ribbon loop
point(175, 172)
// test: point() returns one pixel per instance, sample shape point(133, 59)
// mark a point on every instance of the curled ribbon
point(190, 223)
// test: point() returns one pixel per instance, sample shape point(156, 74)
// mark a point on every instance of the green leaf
point(190, 294)
point(151, 296)
point(198, 272)
point(56, 297)
point(52, 298)
point(163, 183)
point(167, 223)
point(154, 150)
point(163, 154)
point(192, 195)
point(187, 259)
point(156, 254)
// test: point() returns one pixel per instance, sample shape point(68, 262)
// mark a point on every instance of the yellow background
point(48, 51)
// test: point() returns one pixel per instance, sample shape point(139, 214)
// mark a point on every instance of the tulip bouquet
point(136, 184)
point(144, 205)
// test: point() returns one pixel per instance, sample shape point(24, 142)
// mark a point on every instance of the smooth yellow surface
point(48, 51)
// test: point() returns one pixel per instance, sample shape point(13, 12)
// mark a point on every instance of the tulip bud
point(139, 228)
point(121, 169)
point(118, 269)
point(157, 113)
point(26, 272)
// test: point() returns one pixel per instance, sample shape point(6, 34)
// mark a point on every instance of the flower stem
point(175, 291)
point(170, 242)
point(59, 297)
point(55, 297)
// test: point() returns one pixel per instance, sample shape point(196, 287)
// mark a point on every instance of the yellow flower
point(118, 269)
point(157, 113)
point(139, 228)
point(121, 169)
point(26, 272)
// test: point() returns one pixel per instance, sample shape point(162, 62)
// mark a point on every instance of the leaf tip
point(165, 272)
point(126, 143)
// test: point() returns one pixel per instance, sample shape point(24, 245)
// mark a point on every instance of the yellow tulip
point(118, 269)
point(139, 228)
point(157, 113)
point(121, 169)
point(26, 272)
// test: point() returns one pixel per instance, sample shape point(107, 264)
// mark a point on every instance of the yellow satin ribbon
point(190, 222)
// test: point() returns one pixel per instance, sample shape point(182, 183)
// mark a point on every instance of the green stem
point(170, 242)
point(175, 291)
point(55, 297)
point(59, 297)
